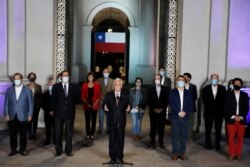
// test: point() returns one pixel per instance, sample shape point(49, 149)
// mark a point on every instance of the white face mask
point(65, 80)
point(17, 82)
point(105, 75)
point(157, 82)
point(50, 88)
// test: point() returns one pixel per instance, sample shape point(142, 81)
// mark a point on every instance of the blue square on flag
point(100, 37)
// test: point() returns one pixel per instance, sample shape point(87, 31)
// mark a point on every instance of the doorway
point(110, 49)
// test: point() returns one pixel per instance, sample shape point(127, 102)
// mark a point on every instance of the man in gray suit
point(106, 84)
point(18, 110)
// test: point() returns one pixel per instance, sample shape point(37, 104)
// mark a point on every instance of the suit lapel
point(70, 90)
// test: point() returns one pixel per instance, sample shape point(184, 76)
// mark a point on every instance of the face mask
point(105, 75)
point(50, 88)
point(214, 82)
point(65, 79)
point(162, 73)
point(157, 82)
point(17, 82)
point(231, 87)
point(32, 79)
point(237, 87)
point(180, 84)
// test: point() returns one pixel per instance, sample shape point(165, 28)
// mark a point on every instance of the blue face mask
point(180, 84)
point(162, 73)
point(214, 82)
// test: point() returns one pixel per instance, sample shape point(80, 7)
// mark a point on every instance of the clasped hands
point(158, 110)
point(182, 114)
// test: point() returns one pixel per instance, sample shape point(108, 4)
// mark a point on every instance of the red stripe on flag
point(110, 47)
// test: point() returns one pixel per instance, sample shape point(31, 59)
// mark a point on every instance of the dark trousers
point(90, 116)
point(116, 142)
point(210, 119)
point(179, 133)
point(33, 123)
point(14, 126)
point(157, 123)
point(59, 124)
point(49, 127)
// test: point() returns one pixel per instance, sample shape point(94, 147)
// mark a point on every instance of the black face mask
point(32, 79)
point(237, 87)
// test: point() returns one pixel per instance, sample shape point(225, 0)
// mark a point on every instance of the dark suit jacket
point(214, 105)
point(37, 96)
point(167, 83)
point(142, 100)
point(23, 107)
point(46, 102)
point(193, 91)
point(64, 107)
point(117, 114)
point(155, 102)
point(231, 105)
point(175, 104)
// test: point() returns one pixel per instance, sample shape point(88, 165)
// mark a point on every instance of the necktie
point(117, 98)
point(65, 90)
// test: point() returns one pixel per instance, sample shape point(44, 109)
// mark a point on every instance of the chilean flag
point(112, 42)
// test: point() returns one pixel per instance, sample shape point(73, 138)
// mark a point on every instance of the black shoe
point(23, 153)
point(69, 154)
point(162, 146)
point(46, 143)
point(218, 148)
point(58, 154)
point(120, 161)
point(91, 137)
point(208, 146)
point(113, 161)
point(152, 145)
point(12, 153)
point(87, 138)
point(99, 131)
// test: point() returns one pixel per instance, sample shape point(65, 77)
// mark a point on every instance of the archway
point(110, 49)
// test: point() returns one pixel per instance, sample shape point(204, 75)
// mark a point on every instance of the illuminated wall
point(239, 40)
point(26, 42)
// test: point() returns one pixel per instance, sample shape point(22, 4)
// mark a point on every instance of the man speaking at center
point(116, 102)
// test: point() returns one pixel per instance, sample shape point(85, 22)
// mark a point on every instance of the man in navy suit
point(46, 104)
point(181, 103)
point(18, 110)
point(116, 103)
point(64, 99)
point(157, 100)
point(213, 97)
point(193, 91)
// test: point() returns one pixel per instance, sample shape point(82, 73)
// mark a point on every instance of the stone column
point(16, 37)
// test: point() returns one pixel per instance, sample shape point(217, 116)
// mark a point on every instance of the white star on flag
point(100, 37)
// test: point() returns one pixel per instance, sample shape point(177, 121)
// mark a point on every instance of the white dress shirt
point(162, 80)
point(181, 92)
point(18, 91)
point(237, 96)
point(214, 89)
point(158, 90)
